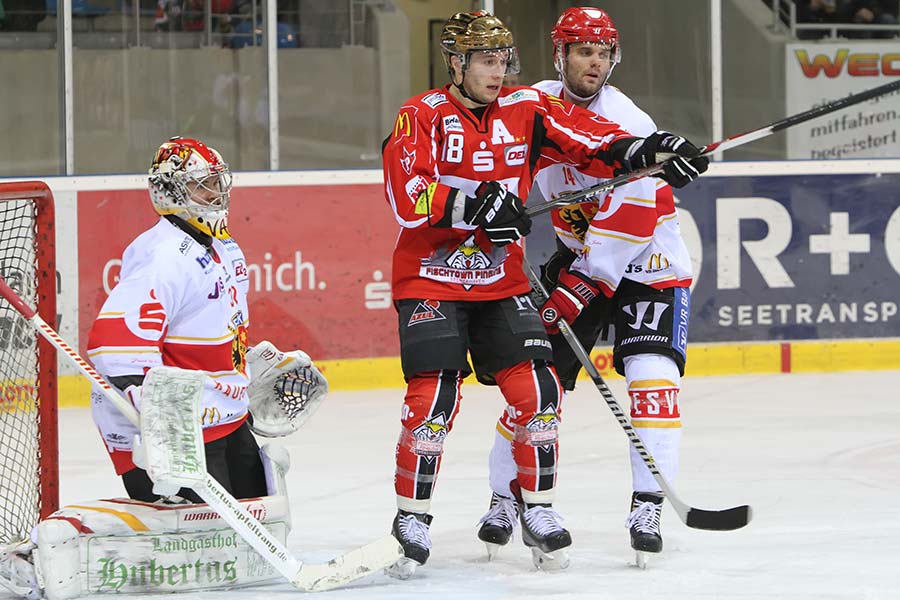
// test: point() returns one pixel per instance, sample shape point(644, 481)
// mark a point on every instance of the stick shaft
point(727, 144)
point(733, 518)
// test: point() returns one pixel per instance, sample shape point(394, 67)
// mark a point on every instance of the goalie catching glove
point(285, 389)
point(573, 292)
point(681, 159)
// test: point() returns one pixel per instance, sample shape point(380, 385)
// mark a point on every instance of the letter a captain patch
point(426, 311)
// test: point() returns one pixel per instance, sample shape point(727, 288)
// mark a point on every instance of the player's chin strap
point(461, 86)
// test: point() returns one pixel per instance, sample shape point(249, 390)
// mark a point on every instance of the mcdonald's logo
point(210, 416)
point(402, 126)
point(657, 259)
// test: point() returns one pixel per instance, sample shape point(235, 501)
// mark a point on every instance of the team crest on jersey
point(543, 428)
point(239, 350)
point(467, 264)
point(428, 438)
point(519, 96)
point(426, 311)
point(452, 123)
point(577, 218)
point(435, 99)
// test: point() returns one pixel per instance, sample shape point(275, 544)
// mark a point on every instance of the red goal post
point(29, 449)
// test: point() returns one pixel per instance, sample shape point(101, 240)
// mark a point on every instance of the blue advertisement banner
point(788, 257)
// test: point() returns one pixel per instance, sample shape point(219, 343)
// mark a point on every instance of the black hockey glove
point(683, 162)
point(499, 212)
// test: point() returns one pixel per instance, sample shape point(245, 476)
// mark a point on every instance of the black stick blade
point(719, 520)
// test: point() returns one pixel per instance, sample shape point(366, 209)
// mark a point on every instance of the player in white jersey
point(181, 301)
point(620, 260)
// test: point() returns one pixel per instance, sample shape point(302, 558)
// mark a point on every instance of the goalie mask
point(480, 31)
point(191, 180)
point(588, 26)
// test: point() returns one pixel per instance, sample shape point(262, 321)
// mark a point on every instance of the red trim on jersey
point(199, 357)
point(115, 332)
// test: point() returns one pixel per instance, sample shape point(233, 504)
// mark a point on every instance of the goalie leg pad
point(17, 572)
point(126, 546)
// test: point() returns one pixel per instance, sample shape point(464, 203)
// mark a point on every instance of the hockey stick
point(727, 144)
point(697, 518)
point(305, 576)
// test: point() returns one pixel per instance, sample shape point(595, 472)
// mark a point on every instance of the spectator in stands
point(190, 15)
point(820, 12)
point(21, 15)
point(873, 12)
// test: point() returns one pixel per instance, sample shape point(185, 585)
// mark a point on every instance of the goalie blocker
point(126, 546)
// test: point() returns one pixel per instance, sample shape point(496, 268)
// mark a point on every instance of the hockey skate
point(411, 530)
point(498, 523)
point(643, 525)
point(17, 572)
point(548, 540)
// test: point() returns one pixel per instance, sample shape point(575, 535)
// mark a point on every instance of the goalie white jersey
point(633, 232)
point(181, 301)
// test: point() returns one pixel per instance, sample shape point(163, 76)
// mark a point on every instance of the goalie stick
point(696, 518)
point(728, 143)
point(308, 577)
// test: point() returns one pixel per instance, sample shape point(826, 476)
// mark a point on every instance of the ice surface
point(817, 456)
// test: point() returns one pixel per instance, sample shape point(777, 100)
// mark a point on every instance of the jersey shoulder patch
point(520, 95)
point(434, 99)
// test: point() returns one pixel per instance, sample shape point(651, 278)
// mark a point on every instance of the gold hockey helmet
point(477, 31)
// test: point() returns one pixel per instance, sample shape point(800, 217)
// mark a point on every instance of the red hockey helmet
point(586, 25)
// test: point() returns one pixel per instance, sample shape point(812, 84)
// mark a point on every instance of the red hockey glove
point(568, 299)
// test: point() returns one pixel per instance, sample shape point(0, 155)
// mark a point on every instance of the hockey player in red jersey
point(622, 261)
point(456, 166)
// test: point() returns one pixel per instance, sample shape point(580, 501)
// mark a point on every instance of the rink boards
point(797, 265)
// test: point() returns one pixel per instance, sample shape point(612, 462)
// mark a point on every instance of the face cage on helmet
point(220, 178)
point(512, 59)
point(175, 192)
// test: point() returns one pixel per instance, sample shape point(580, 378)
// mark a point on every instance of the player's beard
point(583, 90)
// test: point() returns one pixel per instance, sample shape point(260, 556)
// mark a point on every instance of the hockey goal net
point(28, 423)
